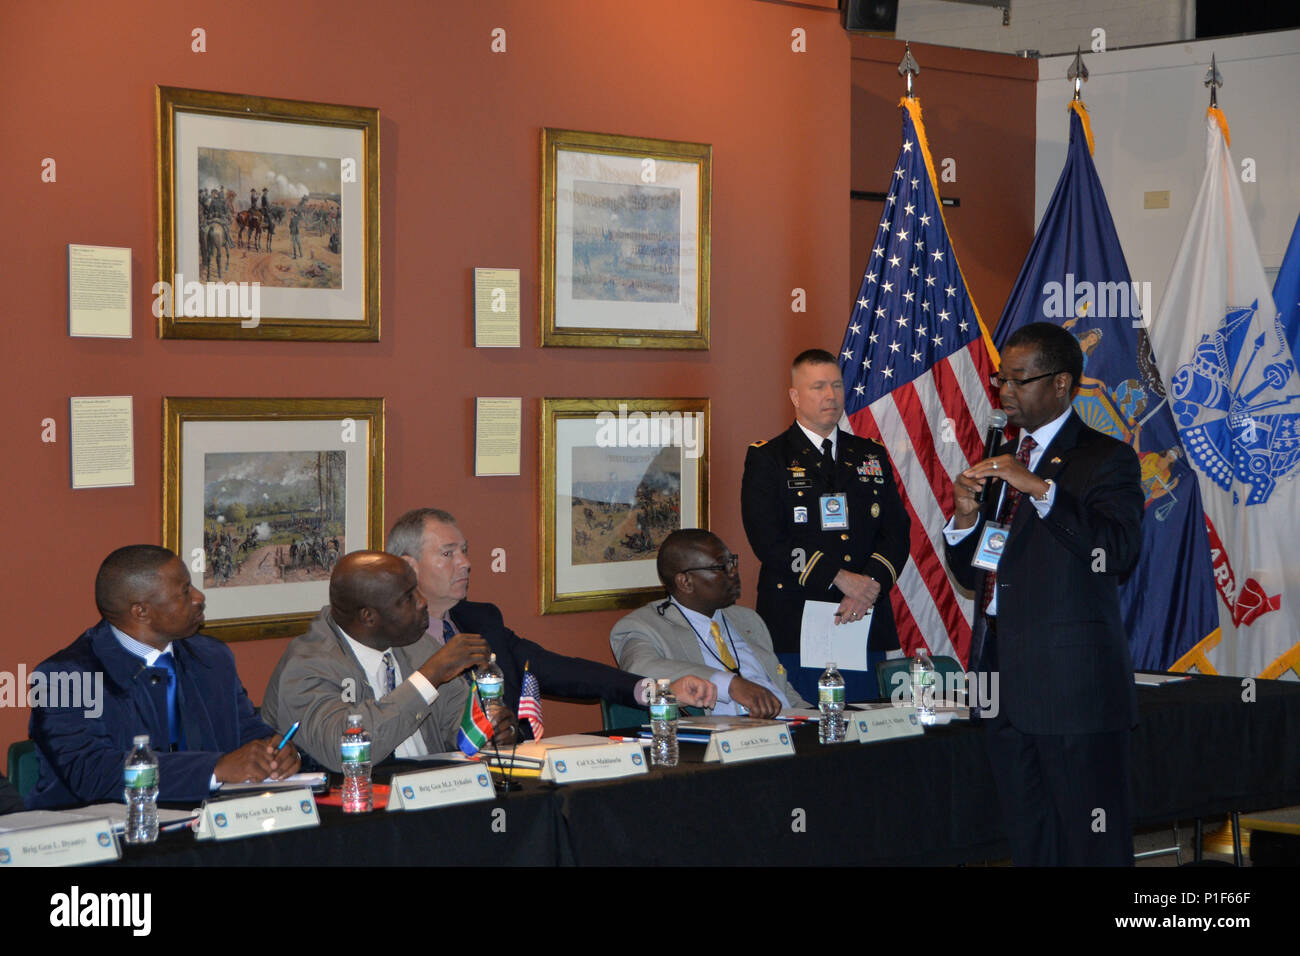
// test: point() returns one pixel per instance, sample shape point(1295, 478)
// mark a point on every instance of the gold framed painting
point(262, 496)
point(268, 218)
point(618, 476)
point(625, 231)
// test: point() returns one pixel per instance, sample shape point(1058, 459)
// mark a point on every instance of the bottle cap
point(664, 683)
point(830, 665)
point(141, 741)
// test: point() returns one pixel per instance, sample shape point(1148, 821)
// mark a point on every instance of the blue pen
point(289, 736)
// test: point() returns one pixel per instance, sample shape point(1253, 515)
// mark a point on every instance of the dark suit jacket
point(786, 474)
point(1061, 647)
point(558, 675)
point(81, 758)
point(10, 801)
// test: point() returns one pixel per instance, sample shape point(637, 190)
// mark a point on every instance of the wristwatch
point(1046, 491)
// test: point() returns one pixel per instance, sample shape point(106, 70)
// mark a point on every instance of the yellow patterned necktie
point(724, 652)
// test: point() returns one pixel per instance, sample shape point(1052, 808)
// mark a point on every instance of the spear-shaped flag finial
point(1214, 80)
point(907, 66)
point(1078, 72)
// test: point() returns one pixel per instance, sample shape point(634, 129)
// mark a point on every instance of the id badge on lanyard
point(834, 511)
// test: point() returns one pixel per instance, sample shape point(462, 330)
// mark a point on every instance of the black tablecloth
point(1200, 749)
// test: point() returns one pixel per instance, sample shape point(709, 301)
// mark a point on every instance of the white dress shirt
point(373, 666)
point(750, 668)
point(1043, 437)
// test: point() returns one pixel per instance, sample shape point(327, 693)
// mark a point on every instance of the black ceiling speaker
point(870, 16)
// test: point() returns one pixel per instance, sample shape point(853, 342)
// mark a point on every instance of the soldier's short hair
point(813, 357)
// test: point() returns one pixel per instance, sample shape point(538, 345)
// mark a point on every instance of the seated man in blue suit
point(161, 678)
point(431, 543)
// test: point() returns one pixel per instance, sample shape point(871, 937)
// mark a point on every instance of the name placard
point(750, 743)
point(883, 723)
point(598, 762)
point(441, 787)
point(64, 844)
point(268, 812)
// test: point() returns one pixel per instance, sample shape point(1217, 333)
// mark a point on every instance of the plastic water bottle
point(663, 726)
point(830, 700)
point(140, 778)
point(491, 683)
point(355, 747)
point(922, 673)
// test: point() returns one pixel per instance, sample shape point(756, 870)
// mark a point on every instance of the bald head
point(681, 550)
point(374, 599)
point(699, 571)
point(365, 579)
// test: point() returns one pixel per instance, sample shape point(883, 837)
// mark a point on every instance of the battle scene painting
point(272, 517)
point(270, 218)
point(625, 502)
point(626, 242)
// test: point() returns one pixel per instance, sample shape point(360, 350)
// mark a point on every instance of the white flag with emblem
point(1236, 400)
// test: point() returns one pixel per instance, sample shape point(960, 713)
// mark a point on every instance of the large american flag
point(530, 703)
point(916, 362)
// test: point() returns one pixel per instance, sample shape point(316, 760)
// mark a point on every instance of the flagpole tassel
point(1078, 107)
point(1217, 115)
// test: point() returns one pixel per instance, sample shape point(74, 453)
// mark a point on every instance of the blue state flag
point(1076, 276)
point(1286, 292)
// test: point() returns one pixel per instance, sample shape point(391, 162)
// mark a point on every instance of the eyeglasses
point(729, 565)
point(997, 381)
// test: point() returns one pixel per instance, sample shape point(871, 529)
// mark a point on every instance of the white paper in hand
point(822, 640)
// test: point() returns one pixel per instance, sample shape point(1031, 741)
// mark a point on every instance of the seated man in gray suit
point(699, 631)
point(368, 653)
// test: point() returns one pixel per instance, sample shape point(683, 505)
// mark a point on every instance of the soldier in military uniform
point(824, 517)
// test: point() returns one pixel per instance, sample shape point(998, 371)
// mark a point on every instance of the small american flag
point(530, 703)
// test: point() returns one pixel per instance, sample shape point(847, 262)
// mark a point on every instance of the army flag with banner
point(1235, 396)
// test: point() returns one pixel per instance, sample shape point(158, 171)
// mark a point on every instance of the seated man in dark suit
point(431, 543)
point(368, 653)
point(700, 631)
point(161, 678)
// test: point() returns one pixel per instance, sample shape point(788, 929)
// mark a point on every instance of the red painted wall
point(460, 170)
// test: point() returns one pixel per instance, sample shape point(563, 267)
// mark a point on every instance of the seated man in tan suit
point(368, 653)
point(699, 630)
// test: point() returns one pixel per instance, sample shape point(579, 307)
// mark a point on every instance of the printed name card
point(750, 743)
point(268, 812)
point(598, 762)
point(883, 723)
point(422, 789)
point(64, 844)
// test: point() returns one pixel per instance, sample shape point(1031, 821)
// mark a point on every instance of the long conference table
point(1204, 747)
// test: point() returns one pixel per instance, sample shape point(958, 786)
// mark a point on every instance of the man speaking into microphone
point(1044, 559)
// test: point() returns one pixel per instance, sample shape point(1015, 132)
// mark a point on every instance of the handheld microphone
point(997, 422)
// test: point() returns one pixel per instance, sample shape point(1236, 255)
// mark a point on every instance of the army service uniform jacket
point(780, 499)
